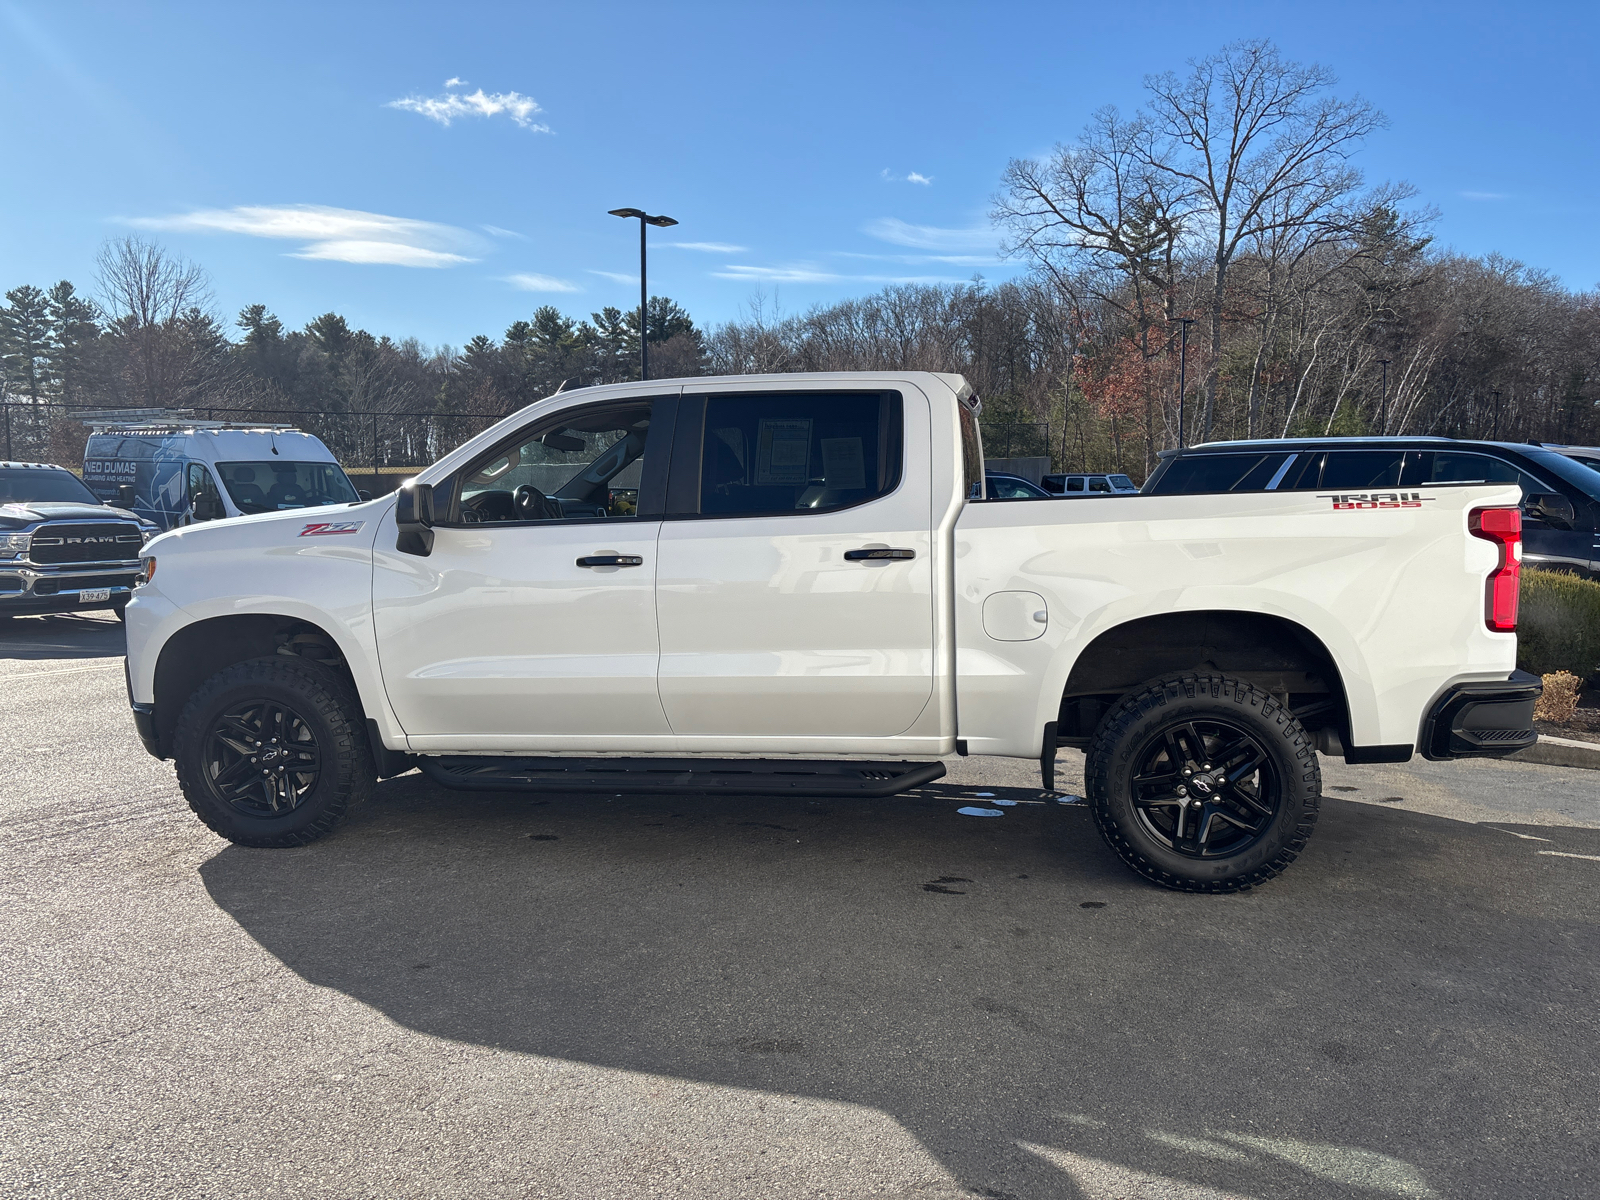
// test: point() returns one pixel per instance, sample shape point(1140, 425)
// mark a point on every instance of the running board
point(741, 776)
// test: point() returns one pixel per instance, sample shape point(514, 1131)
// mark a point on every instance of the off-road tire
point(329, 709)
point(1127, 732)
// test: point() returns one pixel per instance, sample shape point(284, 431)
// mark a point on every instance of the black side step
point(744, 776)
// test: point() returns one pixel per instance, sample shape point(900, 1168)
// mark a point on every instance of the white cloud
point(451, 105)
point(957, 260)
point(929, 237)
point(528, 282)
point(807, 273)
point(707, 247)
point(617, 278)
point(387, 253)
point(332, 234)
point(1485, 196)
point(889, 176)
point(498, 232)
point(454, 82)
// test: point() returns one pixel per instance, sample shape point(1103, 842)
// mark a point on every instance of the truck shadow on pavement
point(62, 635)
point(1408, 1012)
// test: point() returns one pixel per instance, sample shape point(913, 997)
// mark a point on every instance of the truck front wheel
point(1203, 783)
point(270, 752)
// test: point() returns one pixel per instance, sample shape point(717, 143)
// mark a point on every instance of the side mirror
point(208, 508)
point(124, 496)
point(413, 518)
point(363, 494)
point(1551, 508)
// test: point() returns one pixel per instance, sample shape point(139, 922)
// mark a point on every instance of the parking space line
point(1527, 837)
point(106, 666)
point(1564, 854)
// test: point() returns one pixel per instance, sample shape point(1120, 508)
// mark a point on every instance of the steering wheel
point(533, 505)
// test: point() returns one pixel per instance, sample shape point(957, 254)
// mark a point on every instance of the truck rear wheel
point(1203, 783)
point(270, 752)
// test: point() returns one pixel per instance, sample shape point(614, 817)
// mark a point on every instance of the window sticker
point(843, 466)
point(783, 452)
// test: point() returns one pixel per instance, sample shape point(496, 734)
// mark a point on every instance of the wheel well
point(1274, 654)
point(197, 652)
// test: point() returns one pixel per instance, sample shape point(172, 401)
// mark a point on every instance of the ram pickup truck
point(61, 549)
point(779, 585)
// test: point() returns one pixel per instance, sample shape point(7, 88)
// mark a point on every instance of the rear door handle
point(611, 560)
point(877, 552)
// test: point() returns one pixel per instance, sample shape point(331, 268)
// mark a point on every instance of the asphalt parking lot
point(502, 996)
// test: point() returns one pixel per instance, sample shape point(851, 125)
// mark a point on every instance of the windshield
point(258, 487)
point(45, 487)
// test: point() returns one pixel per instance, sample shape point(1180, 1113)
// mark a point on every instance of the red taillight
point(1503, 526)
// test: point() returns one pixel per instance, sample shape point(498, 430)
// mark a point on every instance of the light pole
point(644, 288)
point(1383, 398)
point(1183, 371)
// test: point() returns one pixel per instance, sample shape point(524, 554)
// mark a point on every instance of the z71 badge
point(1351, 501)
point(331, 528)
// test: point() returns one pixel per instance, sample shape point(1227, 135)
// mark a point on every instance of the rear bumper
point(1482, 720)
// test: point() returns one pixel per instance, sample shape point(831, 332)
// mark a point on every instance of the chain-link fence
point(377, 449)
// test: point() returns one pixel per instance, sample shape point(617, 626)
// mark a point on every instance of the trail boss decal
point(331, 528)
point(1351, 501)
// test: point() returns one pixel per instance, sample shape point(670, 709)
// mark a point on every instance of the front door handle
point(873, 552)
point(611, 560)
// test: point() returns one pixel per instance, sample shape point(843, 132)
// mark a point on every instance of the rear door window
point(1075, 484)
point(1359, 470)
point(787, 452)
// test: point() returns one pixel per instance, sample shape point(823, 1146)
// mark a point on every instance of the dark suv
point(61, 549)
point(1560, 495)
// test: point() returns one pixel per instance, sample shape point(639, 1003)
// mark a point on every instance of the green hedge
point(1558, 625)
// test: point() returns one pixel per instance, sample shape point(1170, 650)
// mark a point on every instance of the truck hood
point(32, 512)
point(327, 521)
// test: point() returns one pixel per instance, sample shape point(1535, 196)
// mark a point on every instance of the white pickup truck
point(779, 584)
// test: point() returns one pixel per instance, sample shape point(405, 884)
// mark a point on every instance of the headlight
point(147, 571)
point(14, 545)
point(147, 532)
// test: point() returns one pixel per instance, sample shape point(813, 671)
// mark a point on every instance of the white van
point(187, 471)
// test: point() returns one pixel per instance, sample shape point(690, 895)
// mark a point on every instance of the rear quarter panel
point(1395, 594)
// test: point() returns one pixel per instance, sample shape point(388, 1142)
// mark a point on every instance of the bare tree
point(156, 301)
point(1259, 145)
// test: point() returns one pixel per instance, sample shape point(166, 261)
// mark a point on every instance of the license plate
point(94, 595)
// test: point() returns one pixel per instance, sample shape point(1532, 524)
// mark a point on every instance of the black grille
point(77, 583)
point(102, 542)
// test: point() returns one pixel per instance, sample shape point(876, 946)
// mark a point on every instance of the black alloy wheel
point(262, 759)
point(1203, 783)
point(271, 751)
point(1205, 788)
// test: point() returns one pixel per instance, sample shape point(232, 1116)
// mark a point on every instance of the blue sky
point(813, 151)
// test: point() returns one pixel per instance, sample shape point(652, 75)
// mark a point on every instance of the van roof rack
point(156, 420)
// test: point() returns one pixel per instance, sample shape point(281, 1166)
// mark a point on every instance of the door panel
point(532, 623)
point(499, 633)
point(767, 629)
